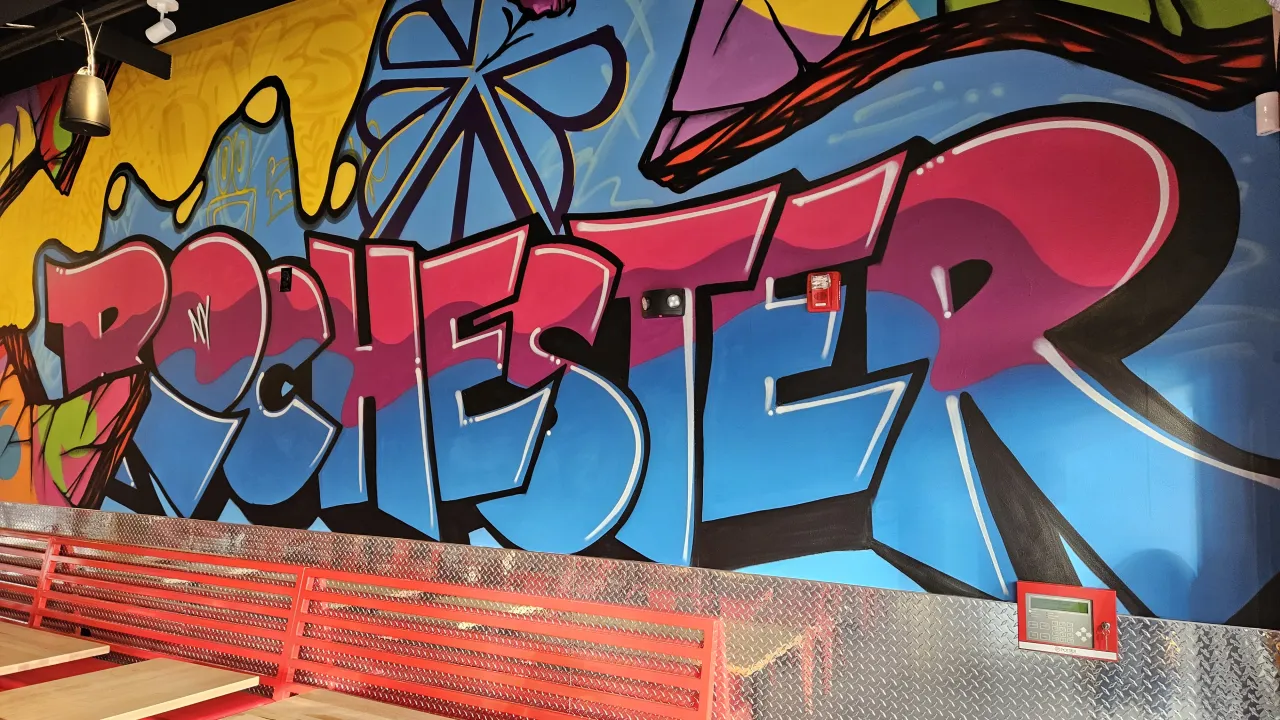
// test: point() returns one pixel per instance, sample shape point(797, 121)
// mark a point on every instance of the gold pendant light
point(85, 111)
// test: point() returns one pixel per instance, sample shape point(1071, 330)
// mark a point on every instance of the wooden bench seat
point(329, 705)
point(24, 648)
point(122, 692)
point(213, 709)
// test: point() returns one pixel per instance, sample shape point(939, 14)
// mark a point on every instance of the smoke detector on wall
point(165, 27)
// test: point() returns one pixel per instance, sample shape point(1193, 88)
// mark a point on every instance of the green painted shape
point(1224, 13)
point(962, 4)
point(68, 429)
point(61, 138)
point(1169, 16)
point(1136, 9)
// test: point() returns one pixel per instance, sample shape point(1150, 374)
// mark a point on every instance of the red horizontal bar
point(502, 678)
point(20, 570)
point(582, 607)
point(161, 593)
point(172, 574)
point(11, 586)
point(558, 658)
point(15, 605)
point(591, 634)
point(162, 636)
point(165, 615)
point(184, 555)
point(21, 552)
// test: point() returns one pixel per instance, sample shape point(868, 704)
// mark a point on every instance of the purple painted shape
point(694, 124)
point(742, 62)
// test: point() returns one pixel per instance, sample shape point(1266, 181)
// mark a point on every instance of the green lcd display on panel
point(1058, 604)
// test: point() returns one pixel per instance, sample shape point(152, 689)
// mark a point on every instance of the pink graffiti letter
point(108, 309)
point(715, 242)
point(375, 385)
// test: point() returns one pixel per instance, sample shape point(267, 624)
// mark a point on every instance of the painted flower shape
point(467, 117)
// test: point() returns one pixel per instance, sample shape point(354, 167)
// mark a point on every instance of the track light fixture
point(163, 29)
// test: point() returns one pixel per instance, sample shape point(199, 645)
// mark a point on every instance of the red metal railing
point(431, 644)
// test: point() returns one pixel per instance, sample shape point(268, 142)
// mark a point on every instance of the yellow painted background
point(164, 127)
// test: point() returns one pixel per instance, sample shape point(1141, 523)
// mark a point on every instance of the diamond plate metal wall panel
point(796, 649)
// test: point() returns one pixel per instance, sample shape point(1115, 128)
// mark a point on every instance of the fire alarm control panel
point(1067, 620)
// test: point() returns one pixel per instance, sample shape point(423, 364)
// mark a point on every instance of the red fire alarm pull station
point(1067, 620)
point(823, 292)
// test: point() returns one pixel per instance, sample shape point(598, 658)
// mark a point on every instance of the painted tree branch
point(1215, 69)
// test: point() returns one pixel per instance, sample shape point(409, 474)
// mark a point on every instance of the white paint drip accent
point(940, 284)
point(328, 439)
point(962, 450)
point(360, 441)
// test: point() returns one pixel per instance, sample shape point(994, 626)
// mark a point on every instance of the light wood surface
point(25, 648)
point(328, 705)
point(128, 692)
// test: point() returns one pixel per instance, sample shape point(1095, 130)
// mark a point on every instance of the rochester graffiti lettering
point(507, 382)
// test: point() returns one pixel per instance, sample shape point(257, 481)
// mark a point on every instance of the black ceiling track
point(54, 46)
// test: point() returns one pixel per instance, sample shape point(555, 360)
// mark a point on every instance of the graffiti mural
point(1053, 297)
point(753, 72)
point(32, 141)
